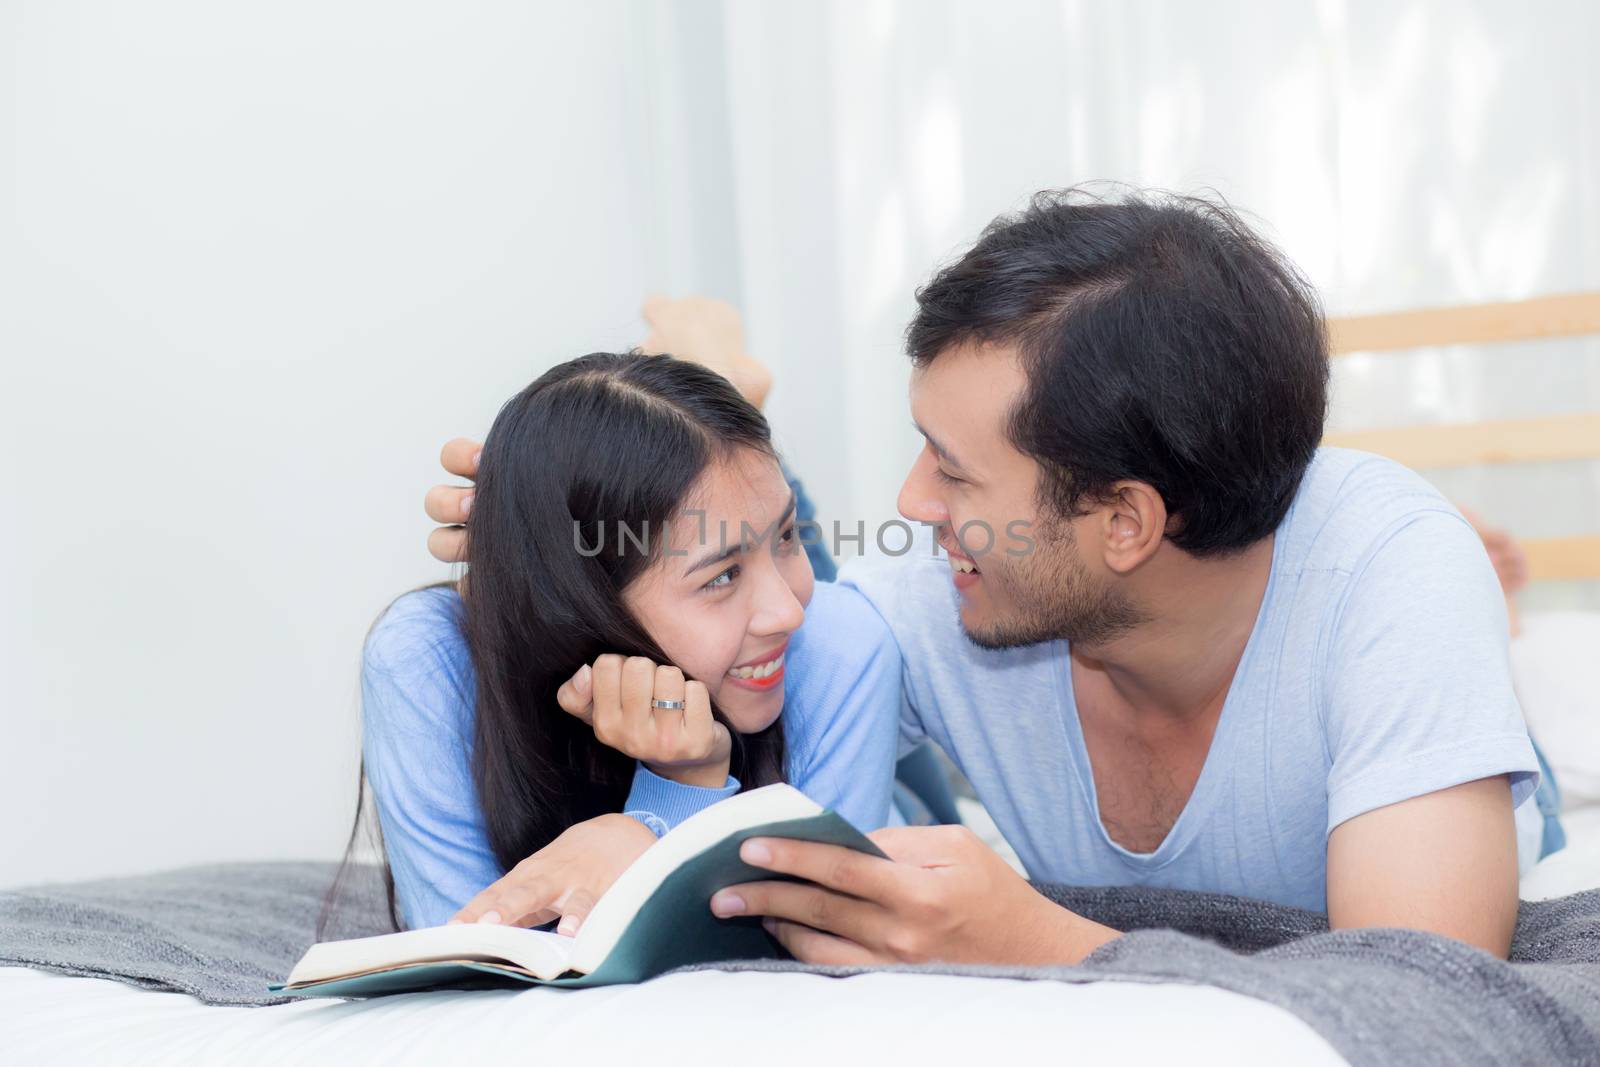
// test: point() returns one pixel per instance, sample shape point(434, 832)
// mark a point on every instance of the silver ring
point(669, 705)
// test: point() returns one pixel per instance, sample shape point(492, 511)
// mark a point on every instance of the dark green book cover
point(673, 928)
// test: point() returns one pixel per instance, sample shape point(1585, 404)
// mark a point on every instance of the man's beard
point(1049, 595)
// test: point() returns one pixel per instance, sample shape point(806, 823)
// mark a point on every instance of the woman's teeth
point(965, 566)
point(762, 670)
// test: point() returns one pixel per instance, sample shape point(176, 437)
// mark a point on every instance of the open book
point(656, 916)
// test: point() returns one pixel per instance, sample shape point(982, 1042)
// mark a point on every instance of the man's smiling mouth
point(964, 570)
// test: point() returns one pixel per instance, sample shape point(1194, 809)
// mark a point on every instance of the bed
point(716, 1016)
point(709, 1017)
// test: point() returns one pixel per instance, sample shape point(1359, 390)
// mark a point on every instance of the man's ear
point(1135, 519)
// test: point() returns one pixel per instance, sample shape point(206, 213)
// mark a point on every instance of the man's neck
point(1201, 612)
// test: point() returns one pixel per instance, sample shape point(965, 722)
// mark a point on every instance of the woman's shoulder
point(842, 639)
point(419, 630)
point(838, 617)
point(842, 686)
point(416, 671)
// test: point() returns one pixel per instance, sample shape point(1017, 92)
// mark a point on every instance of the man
point(1173, 642)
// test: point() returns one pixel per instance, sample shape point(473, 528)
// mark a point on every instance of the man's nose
point(920, 500)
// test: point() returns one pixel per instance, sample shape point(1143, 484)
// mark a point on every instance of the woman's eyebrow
point(716, 557)
point(738, 546)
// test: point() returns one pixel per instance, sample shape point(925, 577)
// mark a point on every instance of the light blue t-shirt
point(1377, 671)
point(841, 695)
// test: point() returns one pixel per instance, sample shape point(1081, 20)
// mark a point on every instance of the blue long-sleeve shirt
point(840, 718)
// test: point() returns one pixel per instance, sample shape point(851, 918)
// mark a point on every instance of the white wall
point(263, 259)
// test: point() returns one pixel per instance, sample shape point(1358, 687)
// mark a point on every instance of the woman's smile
point(760, 674)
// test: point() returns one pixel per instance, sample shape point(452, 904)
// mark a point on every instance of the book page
point(541, 952)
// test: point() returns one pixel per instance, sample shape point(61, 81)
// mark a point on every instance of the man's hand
point(450, 504)
point(710, 333)
point(614, 698)
point(942, 895)
point(563, 879)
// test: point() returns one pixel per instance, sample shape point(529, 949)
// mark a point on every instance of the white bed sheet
point(705, 1017)
point(1576, 867)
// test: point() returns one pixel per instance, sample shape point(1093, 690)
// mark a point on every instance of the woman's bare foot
point(1509, 559)
point(708, 332)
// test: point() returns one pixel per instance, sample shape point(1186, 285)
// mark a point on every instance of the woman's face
point(730, 588)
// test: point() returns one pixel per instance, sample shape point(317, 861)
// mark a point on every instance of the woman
point(634, 639)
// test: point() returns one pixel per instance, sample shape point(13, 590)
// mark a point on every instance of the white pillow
point(1555, 665)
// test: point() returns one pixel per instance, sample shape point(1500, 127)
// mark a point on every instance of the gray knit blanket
point(222, 932)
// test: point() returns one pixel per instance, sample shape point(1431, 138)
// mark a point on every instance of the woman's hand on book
point(615, 698)
point(565, 878)
point(941, 895)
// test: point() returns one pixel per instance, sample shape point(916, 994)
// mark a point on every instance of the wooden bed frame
point(1558, 437)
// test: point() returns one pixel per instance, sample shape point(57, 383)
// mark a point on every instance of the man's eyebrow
point(944, 453)
point(738, 546)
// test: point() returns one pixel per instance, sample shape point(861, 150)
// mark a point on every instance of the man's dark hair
point(1163, 342)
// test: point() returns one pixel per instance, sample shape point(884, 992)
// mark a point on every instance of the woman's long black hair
point(601, 442)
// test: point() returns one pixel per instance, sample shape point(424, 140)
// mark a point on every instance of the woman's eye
point(787, 535)
point(719, 583)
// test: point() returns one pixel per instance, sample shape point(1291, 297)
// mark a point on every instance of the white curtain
point(1403, 154)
